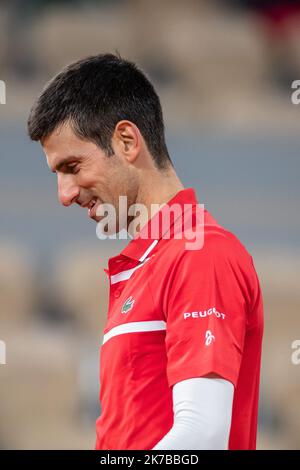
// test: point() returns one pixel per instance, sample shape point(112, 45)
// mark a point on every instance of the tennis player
point(181, 353)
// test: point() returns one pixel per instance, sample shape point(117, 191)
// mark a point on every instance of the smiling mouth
point(91, 204)
point(92, 208)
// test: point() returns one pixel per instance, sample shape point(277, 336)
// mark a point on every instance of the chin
point(97, 218)
point(105, 231)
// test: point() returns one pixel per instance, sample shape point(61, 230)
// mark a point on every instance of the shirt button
point(117, 294)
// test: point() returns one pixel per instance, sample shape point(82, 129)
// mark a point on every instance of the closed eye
point(71, 169)
point(67, 165)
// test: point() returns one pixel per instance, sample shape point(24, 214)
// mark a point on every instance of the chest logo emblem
point(128, 304)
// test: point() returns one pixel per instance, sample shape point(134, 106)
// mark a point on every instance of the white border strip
point(124, 275)
point(148, 250)
point(135, 327)
point(2, 92)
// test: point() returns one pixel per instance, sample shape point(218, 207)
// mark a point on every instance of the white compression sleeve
point(202, 415)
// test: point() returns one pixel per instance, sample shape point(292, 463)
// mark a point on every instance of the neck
point(156, 189)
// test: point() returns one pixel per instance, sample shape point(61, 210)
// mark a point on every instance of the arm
point(202, 415)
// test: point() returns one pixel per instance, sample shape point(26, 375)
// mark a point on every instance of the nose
point(68, 191)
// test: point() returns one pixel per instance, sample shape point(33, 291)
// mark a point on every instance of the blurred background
point(224, 71)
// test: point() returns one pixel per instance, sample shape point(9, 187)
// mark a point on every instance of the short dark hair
point(93, 95)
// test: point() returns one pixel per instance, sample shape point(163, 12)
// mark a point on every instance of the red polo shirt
point(177, 313)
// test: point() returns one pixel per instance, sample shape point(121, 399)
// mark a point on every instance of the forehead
point(63, 142)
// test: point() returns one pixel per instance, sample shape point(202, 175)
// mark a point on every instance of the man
point(180, 359)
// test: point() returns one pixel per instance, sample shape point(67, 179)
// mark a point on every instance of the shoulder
point(214, 245)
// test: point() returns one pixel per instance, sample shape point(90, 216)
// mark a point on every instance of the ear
point(127, 140)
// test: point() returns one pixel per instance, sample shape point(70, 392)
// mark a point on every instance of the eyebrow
point(63, 162)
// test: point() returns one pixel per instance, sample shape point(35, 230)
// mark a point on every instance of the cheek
point(115, 182)
point(87, 179)
point(109, 181)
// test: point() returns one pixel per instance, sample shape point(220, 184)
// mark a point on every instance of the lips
point(92, 208)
